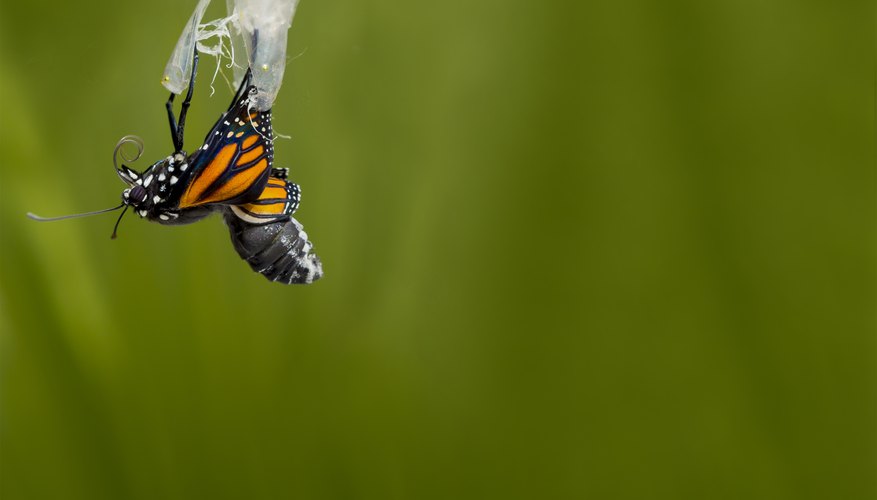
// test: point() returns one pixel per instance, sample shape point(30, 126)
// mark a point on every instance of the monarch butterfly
point(231, 173)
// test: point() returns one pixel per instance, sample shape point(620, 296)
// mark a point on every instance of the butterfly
point(231, 173)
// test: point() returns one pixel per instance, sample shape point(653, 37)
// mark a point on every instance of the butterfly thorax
point(155, 193)
point(230, 168)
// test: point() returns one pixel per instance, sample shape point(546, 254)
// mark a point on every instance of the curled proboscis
point(118, 151)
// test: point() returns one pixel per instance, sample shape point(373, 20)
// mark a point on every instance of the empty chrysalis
point(253, 35)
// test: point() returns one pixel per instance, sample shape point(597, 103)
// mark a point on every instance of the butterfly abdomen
point(279, 250)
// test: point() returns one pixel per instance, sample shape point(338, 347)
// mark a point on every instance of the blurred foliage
point(572, 250)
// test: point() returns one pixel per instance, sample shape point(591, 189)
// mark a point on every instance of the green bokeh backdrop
point(572, 250)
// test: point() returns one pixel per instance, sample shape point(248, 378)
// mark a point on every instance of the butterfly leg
point(244, 86)
point(172, 120)
point(184, 109)
point(280, 173)
point(177, 129)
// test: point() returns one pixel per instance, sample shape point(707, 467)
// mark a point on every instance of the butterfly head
point(135, 196)
point(152, 186)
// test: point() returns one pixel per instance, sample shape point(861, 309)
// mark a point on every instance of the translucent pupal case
point(256, 28)
point(179, 67)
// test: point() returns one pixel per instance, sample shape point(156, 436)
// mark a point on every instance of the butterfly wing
point(278, 200)
point(234, 163)
point(266, 236)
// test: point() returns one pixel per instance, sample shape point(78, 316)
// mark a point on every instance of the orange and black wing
point(233, 165)
point(278, 200)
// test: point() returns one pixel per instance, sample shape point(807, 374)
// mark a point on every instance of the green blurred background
point(572, 250)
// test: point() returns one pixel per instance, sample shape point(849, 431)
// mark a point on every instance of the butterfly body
point(231, 173)
point(153, 196)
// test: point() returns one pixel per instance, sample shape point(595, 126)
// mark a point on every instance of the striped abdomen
point(280, 250)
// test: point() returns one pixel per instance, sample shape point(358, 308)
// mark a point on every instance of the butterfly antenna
point(72, 216)
point(116, 227)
